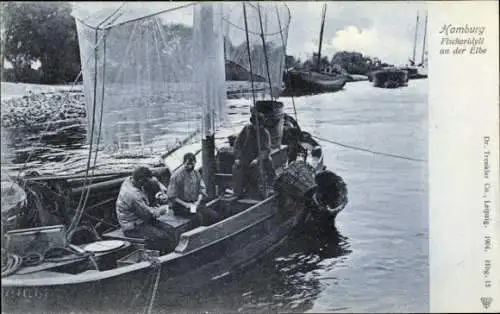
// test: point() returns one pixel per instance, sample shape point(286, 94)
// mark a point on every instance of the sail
point(267, 25)
point(139, 64)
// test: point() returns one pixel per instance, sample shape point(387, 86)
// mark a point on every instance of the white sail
point(139, 63)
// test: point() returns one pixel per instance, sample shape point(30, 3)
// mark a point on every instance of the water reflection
point(286, 280)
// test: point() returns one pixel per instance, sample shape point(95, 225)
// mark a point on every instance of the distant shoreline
point(16, 90)
point(28, 105)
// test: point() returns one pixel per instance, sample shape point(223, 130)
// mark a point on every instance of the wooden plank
point(49, 265)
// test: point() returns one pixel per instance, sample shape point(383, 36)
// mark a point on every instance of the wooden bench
point(178, 225)
point(119, 235)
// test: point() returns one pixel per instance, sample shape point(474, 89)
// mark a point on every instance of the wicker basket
point(295, 180)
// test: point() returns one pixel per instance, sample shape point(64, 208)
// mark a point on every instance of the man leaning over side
point(137, 218)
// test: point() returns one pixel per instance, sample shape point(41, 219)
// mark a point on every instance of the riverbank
point(33, 105)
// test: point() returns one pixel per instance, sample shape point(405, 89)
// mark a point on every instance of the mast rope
point(61, 104)
point(284, 52)
point(81, 209)
point(250, 32)
point(83, 199)
point(369, 150)
point(265, 53)
point(155, 264)
point(261, 171)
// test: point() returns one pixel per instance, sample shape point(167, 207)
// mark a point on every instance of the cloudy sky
point(383, 29)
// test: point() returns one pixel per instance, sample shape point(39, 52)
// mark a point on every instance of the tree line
point(345, 62)
point(45, 33)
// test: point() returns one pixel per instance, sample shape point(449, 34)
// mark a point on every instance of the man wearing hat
point(247, 154)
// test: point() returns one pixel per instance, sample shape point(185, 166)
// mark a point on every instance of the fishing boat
point(418, 71)
point(299, 82)
point(312, 81)
point(390, 77)
point(45, 268)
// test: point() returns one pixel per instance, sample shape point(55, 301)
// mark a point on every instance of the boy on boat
point(137, 218)
point(187, 193)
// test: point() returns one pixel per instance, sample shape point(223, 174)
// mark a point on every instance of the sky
point(383, 29)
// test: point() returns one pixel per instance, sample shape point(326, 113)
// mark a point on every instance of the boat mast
point(415, 42)
point(423, 45)
point(207, 29)
point(321, 37)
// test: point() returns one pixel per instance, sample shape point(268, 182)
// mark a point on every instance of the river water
point(378, 261)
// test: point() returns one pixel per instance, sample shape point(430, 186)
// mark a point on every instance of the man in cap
point(247, 154)
point(137, 217)
point(187, 193)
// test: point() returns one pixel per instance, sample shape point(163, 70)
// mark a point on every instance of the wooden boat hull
point(202, 256)
point(391, 78)
point(308, 82)
point(415, 73)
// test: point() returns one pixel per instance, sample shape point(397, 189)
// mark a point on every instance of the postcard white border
point(463, 109)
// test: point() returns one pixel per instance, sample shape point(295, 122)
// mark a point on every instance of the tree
point(356, 63)
point(44, 32)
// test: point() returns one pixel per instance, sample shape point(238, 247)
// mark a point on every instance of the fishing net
point(142, 73)
point(265, 23)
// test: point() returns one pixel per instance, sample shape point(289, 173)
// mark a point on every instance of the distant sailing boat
point(313, 81)
point(420, 70)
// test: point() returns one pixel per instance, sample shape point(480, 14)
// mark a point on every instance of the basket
point(295, 180)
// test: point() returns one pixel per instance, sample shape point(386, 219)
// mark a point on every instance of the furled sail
point(139, 64)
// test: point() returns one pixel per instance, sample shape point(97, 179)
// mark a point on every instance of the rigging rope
point(250, 32)
point(12, 264)
point(15, 262)
point(156, 265)
point(30, 155)
point(261, 165)
point(83, 199)
point(286, 66)
point(369, 150)
point(265, 52)
point(146, 16)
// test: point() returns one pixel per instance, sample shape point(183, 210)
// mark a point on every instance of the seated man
point(186, 191)
point(247, 155)
point(137, 218)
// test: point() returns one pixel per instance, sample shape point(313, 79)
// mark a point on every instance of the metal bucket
point(273, 119)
